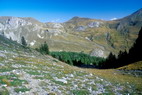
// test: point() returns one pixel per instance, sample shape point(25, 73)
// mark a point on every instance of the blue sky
point(63, 10)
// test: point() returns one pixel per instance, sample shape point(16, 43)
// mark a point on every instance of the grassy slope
point(116, 76)
point(134, 66)
point(119, 39)
point(28, 72)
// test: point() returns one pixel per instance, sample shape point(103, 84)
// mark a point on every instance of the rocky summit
point(92, 36)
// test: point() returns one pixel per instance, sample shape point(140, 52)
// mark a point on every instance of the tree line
point(125, 58)
point(84, 60)
point(78, 59)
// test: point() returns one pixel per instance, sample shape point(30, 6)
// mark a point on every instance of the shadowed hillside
point(124, 58)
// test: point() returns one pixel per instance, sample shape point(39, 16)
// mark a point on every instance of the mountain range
point(91, 36)
point(26, 71)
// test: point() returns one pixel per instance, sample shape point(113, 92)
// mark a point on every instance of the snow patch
point(32, 43)
point(113, 18)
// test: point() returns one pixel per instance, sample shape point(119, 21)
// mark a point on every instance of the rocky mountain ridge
point(96, 37)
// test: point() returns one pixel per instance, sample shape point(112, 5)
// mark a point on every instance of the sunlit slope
point(92, 36)
point(25, 71)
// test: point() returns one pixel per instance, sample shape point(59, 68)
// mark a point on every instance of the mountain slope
point(95, 37)
point(25, 71)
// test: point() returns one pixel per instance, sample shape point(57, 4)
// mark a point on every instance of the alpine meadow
point(45, 49)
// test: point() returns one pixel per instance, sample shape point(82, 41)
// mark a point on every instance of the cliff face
point(93, 36)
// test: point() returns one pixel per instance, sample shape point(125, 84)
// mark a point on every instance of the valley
point(28, 70)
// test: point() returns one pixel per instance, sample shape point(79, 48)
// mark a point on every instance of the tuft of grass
point(52, 93)
point(80, 92)
point(4, 91)
point(2, 58)
point(58, 82)
point(41, 78)
point(33, 73)
point(11, 80)
point(5, 69)
point(80, 73)
point(5, 81)
point(21, 89)
point(18, 82)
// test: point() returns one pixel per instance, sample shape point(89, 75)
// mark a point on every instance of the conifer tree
point(23, 41)
point(44, 48)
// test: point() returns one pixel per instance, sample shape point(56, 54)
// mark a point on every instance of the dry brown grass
point(134, 66)
point(112, 75)
point(115, 76)
point(6, 82)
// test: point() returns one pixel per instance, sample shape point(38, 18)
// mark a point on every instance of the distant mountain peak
point(138, 12)
point(77, 18)
point(137, 16)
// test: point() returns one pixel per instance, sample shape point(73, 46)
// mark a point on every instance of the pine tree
point(23, 41)
point(44, 48)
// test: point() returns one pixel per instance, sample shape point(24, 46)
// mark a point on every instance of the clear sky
point(63, 10)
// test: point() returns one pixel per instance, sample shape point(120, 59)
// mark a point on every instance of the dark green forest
point(78, 59)
point(84, 60)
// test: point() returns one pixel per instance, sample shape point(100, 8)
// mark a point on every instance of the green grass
point(58, 82)
point(33, 72)
point(21, 89)
point(2, 58)
point(80, 73)
point(80, 92)
point(5, 69)
point(32, 65)
point(12, 80)
point(18, 82)
point(108, 90)
point(39, 78)
point(4, 91)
